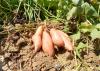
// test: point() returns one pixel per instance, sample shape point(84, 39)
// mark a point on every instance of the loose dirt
point(17, 53)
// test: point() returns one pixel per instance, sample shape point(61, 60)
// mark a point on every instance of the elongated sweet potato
point(57, 40)
point(39, 30)
point(37, 38)
point(67, 42)
point(47, 44)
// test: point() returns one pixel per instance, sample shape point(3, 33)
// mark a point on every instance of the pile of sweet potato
point(48, 39)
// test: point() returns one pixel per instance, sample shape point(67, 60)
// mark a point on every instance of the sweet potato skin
point(37, 38)
point(47, 44)
point(67, 41)
point(57, 40)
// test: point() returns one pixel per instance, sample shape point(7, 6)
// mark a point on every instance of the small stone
point(7, 55)
point(58, 67)
point(5, 68)
point(10, 63)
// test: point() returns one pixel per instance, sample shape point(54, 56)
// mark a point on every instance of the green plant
point(57, 9)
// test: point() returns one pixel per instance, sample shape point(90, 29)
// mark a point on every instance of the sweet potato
point(39, 30)
point(47, 44)
point(37, 38)
point(57, 40)
point(67, 41)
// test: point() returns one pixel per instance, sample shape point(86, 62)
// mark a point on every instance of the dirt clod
point(21, 42)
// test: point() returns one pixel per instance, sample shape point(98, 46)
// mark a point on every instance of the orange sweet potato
point(57, 40)
point(37, 38)
point(47, 44)
point(67, 41)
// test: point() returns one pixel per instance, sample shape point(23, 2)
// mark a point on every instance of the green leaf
point(89, 10)
point(86, 7)
point(85, 30)
point(71, 13)
point(76, 36)
point(98, 26)
point(79, 48)
point(80, 11)
point(95, 34)
point(86, 27)
point(75, 1)
point(93, 12)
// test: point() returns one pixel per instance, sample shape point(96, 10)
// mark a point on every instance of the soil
point(17, 53)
